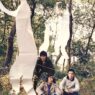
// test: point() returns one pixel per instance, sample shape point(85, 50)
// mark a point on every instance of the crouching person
point(49, 87)
point(70, 84)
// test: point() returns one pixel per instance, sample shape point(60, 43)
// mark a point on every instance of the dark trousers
point(74, 93)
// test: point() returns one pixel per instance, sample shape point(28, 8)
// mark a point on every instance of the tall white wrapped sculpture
point(58, 28)
point(25, 61)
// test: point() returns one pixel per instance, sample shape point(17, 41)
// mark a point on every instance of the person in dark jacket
point(43, 65)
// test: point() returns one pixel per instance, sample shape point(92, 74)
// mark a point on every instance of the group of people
point(68, 86)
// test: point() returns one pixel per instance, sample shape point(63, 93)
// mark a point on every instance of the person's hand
point(70, 91)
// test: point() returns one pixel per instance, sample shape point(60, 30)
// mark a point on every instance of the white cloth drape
point(25, 62)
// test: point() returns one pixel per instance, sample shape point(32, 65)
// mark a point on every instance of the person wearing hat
point(49, 87)
point(43, 65)
point(70, 84)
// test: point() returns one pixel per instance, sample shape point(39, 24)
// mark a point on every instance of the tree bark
point(33, 8)
point(10, 46)
point(70, 29)
point(3, 38)
point(87, 48)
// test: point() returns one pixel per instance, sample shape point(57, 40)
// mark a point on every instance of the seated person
point(70, 84)
point(43, 65)
point(49, 87)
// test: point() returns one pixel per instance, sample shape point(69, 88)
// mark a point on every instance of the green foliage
point(2, 50)
point(38, 29)
point(5, 27)
point(92, 46)
point(5, 93)
point(80, 51)
point(84, 16)
point(89, 1)
point(51, 3)
point(47, 3)
point(59, 74)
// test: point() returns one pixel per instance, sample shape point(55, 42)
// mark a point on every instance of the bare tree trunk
point(3, 38)
point(10, 46)
point(70, 28)
point(33, 8)
point(87, 48)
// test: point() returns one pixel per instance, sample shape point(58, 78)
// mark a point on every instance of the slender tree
point(70, 28)
point(10, 46)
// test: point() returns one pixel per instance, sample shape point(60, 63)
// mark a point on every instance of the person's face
point(50, 80)
point(71, 75)
point(43, 58)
